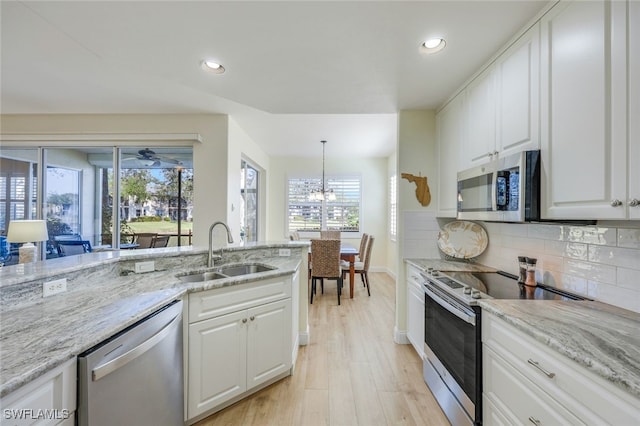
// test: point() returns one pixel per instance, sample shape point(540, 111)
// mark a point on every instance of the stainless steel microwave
point(503, 190)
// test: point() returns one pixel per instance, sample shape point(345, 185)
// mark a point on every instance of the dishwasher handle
point(109, 367)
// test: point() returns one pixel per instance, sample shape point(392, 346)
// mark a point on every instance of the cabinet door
point(634, 110)
point(415, 316)
point(583, 110)
point(217, 361)
point(479, 138)
point(449, 122)
point(518, 71)
point(268, 342)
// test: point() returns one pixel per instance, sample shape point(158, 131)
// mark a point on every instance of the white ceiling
point(297, 71)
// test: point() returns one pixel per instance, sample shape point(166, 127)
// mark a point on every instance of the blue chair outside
point(73, 247)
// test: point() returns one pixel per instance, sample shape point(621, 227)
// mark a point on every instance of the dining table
point(347, 253)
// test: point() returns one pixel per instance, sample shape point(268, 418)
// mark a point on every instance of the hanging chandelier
point(320, 194)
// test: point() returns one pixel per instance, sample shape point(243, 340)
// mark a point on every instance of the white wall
point(416, 155)
point(242, 146)
point(374, 209)
point(392, 245)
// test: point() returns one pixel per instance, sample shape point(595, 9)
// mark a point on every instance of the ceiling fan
point(149, 158)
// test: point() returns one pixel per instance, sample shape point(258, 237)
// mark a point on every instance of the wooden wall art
point(423, 194)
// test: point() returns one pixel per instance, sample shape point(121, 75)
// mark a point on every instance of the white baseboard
point(303, 337)
point(400, 337)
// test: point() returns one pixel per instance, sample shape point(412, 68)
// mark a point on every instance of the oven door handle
point(464, 316)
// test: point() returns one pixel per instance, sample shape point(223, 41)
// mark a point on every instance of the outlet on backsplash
point(141, 267)
point(54, 287)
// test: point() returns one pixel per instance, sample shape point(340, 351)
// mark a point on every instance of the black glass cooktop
point(501, 285)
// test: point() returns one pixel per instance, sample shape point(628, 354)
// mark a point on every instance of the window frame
point(335, 182)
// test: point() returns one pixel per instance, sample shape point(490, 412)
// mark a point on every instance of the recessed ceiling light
point(212, 66)
point(433, 45)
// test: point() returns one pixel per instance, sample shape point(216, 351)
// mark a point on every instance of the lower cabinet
point(525, 382)
point(48, 400)
point(233, 353)
point(415, 310)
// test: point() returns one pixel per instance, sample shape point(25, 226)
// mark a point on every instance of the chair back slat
point(161, 241)
point(329, 235)
point(325, 258)
point(367, 257)
point(363, 245)
point(145, 239)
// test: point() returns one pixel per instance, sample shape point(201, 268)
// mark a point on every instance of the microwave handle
point(494, 192)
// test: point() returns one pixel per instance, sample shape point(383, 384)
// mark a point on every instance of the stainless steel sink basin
point(234, 271)
point(201, 276)
point(223, 272)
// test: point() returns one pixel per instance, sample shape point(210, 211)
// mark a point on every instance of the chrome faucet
point(229, 240)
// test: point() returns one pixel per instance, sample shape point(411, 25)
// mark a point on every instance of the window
point(83, 193)
point(393, 207)
point(249, 179)
point(343, 213)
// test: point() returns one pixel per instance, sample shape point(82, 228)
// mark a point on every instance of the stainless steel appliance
point(135, 377)
point(504, 190)
point(453, 345)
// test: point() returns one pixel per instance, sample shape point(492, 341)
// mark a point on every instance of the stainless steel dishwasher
point(135, 377)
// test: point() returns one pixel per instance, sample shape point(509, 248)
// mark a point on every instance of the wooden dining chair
point(325, 258)
point(145, 239)
point(160, 241)
point(363, 246)
point(362, 268)
point(329, 235)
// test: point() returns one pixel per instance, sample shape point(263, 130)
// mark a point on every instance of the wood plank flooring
point(351, 373)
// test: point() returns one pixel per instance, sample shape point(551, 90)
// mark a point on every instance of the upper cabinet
point(633, 159)
point(479, 123)
point(518, 95)
point(502, 104)
point(584, 111)
point(449, 132)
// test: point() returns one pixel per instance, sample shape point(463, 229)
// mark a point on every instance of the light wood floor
point(351, 373)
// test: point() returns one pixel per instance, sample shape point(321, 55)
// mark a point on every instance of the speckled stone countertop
point(103, 297)
point(600, 337)
point(449, 265)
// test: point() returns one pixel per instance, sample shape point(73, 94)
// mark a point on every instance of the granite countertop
point(39, 334)
point(449, 265)
point(602, 338)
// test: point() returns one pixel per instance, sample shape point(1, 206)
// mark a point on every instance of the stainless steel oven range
point(453, 346)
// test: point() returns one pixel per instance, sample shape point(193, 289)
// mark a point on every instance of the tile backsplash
point(600, 262)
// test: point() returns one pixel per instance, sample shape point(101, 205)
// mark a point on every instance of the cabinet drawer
point(211, 303)
point(590, 397)
point(516, 398)
point(49, 399)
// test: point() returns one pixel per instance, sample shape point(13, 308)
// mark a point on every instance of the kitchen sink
point(201, 276)
point(224, 272)
point(234, 271)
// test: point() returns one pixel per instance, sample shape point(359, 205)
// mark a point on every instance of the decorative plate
point(462, 240)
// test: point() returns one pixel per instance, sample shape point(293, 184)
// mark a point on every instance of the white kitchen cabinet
point(479, 123)
point(634, 111)
point(525, 381)
point(248, 343)
point(449, 127)
point(518, 95)
point(415, 310)
point(502, 104)
point(584, 111)
point(48, 400)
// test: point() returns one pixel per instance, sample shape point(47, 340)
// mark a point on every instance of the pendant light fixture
point(321, 194)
